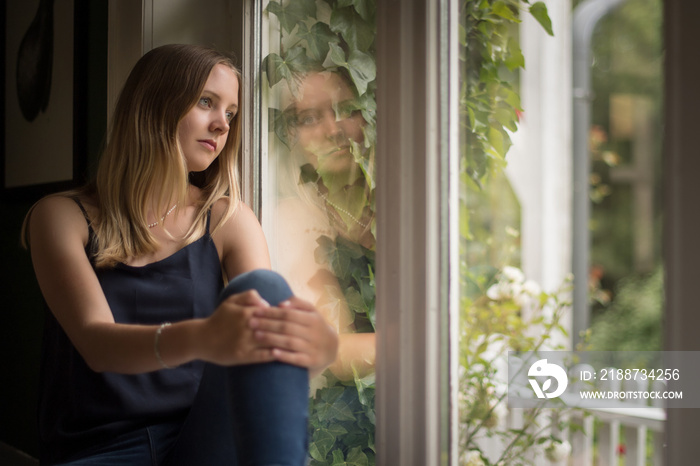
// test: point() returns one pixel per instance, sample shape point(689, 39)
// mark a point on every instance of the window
point(407, 197)
point(318, 70)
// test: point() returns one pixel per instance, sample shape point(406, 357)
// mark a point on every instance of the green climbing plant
point(489, 101)
point(499, 307)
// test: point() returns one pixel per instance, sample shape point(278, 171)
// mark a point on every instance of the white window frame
point(417, 153)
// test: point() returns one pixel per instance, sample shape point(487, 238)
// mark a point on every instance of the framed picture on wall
point(45, 98)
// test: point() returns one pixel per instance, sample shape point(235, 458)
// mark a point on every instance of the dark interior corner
point(21, 319)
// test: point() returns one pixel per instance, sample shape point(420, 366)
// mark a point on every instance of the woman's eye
point(229, 116)
point(307, 119)
point(205, 101)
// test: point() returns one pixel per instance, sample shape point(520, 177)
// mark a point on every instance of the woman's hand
point(297, 334)
point(228, 337)
point(293, 332)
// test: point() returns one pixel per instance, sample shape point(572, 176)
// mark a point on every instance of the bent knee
point(270, 285)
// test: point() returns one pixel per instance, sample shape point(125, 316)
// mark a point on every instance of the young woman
point(144, 361)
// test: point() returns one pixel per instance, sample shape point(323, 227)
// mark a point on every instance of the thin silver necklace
point(340, 209)
point(151, 225)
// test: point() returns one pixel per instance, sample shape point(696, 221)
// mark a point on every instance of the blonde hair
point(143, 167)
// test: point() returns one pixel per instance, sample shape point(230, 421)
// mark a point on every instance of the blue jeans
point(251, 415)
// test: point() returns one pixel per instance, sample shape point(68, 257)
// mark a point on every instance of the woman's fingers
point(229, 338)
point(285, 321)
point(247, 298)
point(295, 358)
point(297, 332)
point(250, 331)
point(282, 341)
point(291, 316)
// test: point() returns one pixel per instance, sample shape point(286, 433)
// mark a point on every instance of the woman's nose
point(334, 129)
point(220, 122)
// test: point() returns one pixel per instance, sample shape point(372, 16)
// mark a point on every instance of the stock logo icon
point(543, 369)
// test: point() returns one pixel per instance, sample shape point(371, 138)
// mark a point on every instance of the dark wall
point(682, 222)
point(21, 305)
point(20, 327)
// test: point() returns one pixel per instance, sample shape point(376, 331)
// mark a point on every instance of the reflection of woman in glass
point(332, 216)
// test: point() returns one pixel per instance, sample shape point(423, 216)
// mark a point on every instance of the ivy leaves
point(490, 105)
point(330, 405)
point(319, 38)
point(342, 423)
point(365, 8)
point(294, 62)
point(357, 32)
point(292, 13)
point(539, 11)
point(360, 65)
point(356, 457)
point(345, 41)
point(353, 265)
point(342, 42)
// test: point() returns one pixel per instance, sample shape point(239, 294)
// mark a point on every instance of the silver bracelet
point(156, 344)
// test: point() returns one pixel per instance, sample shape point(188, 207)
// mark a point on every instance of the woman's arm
point(317, 283)
point(356, 355)
point(294, 331)
point(58, 235)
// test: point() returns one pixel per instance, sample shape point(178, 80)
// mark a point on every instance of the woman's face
point(203, 130)
point(325, 124)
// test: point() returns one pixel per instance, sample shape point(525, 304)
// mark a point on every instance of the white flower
point(516, 289)
point(520, 296)
point(522, 301)
point(498, 292)
point(532, 288)
point(472, 458)
point(558, 451)
point(477, 368)
point(513, 274)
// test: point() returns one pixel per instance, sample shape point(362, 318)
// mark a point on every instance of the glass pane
point(625, 147)
point(519, 222)
point(318, 198)
point(492, 284)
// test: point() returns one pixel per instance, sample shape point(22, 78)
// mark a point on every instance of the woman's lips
point(208, 143)
point(338, 151)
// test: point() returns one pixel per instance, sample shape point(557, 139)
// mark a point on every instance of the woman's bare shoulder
point(67, 200)
point(240, 239)
point(218, 210)
point(60, 215)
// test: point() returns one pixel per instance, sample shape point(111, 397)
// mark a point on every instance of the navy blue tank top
point(79, 408)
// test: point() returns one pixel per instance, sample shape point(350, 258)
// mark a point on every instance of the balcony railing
point(615, 432)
